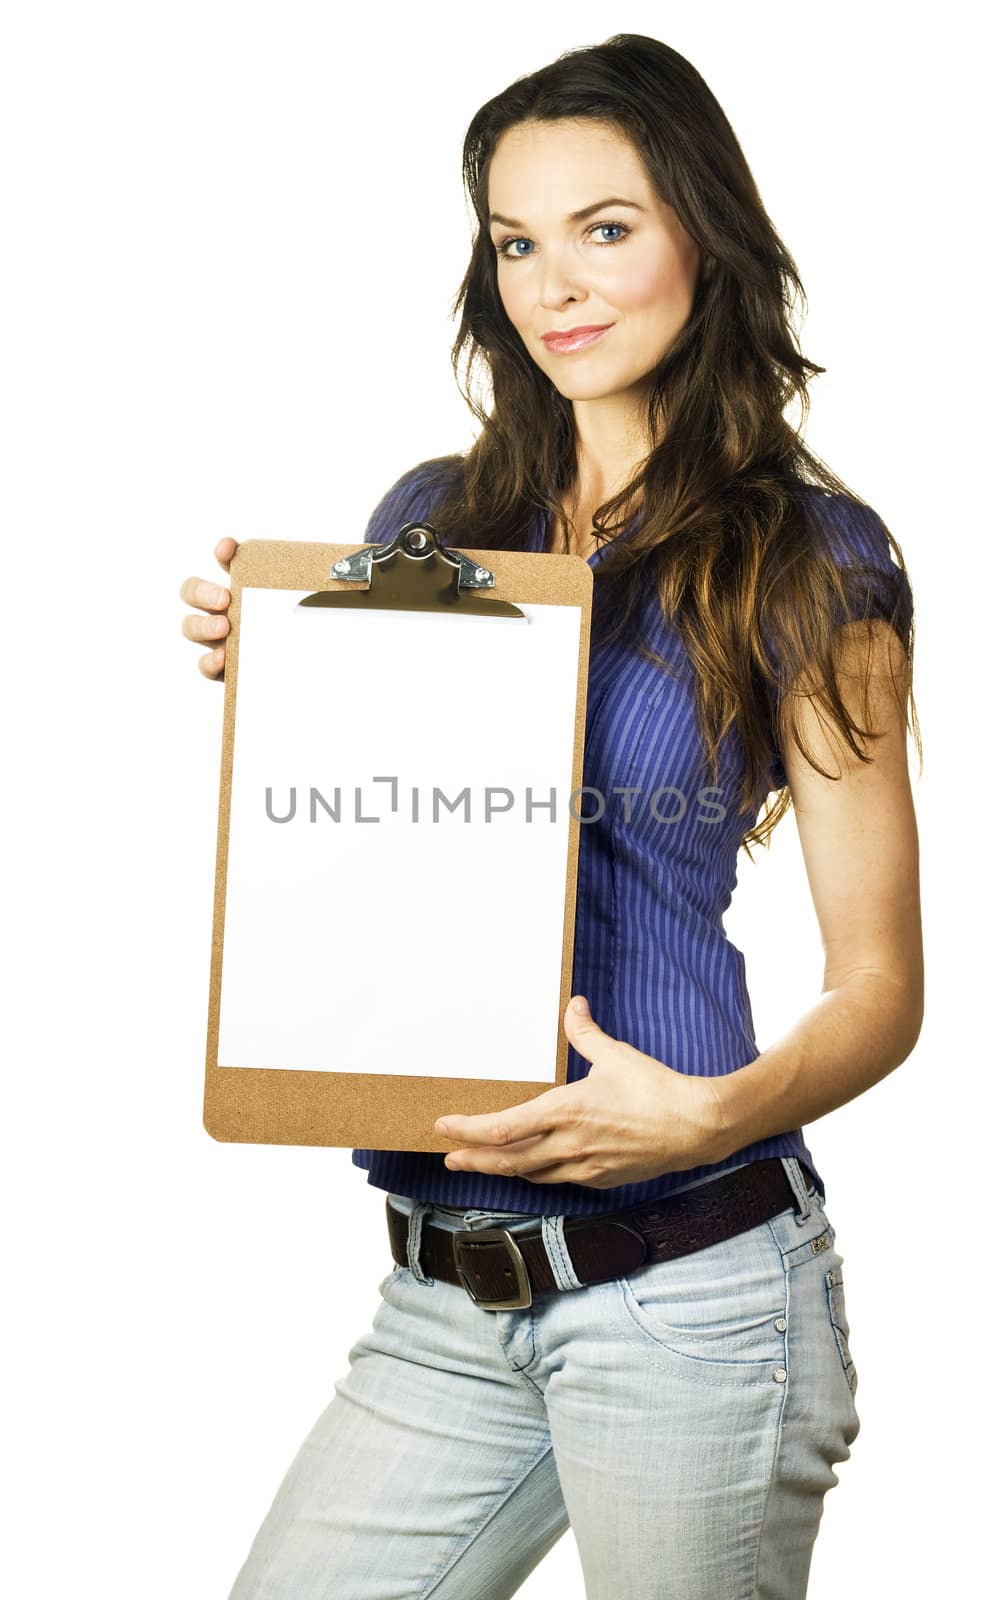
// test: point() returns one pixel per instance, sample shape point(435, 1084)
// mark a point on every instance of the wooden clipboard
point(415, 571)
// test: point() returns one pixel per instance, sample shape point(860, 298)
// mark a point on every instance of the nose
point(559, 281)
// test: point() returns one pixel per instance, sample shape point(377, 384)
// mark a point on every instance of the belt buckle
point(461, 1239)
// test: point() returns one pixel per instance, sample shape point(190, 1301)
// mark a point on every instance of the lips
point(574, 338)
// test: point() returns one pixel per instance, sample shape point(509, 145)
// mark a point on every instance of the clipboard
point(313, 1046)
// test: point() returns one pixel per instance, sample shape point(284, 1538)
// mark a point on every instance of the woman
point(653, 1348)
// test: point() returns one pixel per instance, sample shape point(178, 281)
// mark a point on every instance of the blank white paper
point(396, 939)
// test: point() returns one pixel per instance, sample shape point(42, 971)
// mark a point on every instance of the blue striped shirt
point(656, 872)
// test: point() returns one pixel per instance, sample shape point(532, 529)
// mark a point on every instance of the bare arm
point(861, 850)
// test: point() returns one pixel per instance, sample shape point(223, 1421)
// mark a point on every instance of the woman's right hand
point(213, 600)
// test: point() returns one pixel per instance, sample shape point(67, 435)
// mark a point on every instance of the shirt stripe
point(656, 873)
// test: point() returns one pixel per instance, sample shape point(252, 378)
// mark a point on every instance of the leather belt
point(502, 1267)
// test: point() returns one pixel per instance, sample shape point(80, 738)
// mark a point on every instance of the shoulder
point(851, 529)
point(856, 538)
point(411, 497)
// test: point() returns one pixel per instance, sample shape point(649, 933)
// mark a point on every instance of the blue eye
point(502, 249)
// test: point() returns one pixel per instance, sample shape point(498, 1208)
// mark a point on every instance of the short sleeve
point(875, 587)
point(411, 498)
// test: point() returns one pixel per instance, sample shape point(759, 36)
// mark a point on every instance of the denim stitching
point(753, 1591)
point(558, 1254)
point(794, 1173)
point(420, 1210)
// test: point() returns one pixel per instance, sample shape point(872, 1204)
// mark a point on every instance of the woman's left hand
point(630, 1119)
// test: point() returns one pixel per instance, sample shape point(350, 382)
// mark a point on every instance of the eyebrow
point(575, 216)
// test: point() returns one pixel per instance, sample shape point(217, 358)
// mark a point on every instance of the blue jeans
point(683, 1421)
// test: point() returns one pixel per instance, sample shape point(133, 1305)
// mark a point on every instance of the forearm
point(858, 1033)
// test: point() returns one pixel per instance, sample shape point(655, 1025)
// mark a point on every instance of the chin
point(598, 390)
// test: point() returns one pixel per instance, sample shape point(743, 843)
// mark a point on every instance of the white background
point(232, 235)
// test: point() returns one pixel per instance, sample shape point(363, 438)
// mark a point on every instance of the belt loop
point(558, 1255)
point(416, 1226)
point(797, 1182)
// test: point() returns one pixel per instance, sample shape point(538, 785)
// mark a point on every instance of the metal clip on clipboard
point(414, 572)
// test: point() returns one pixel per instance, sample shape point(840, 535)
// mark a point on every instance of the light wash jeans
point(684, 1421)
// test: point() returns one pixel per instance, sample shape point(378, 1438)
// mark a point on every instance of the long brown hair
point(716, 518)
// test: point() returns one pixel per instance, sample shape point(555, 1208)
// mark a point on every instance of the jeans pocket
point(719, 1313)
point(837, 1310)
point(391, 1277)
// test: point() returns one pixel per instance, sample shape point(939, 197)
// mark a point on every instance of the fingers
point(212, 664)
point(209, 623)
point(205, 629)
point(212, 599)
point(207, 596)
point(224, 552)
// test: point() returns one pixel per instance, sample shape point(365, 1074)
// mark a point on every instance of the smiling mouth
point(561, 343)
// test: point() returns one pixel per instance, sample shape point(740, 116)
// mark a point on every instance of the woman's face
point(632, 266)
